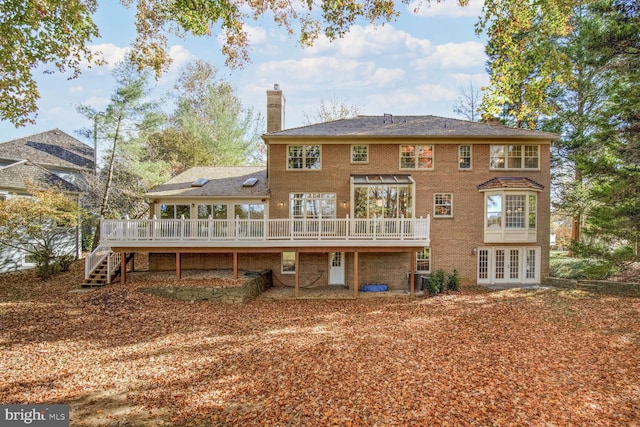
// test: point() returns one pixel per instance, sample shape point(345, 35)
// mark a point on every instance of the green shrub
point(436, 282)
point(453, 281)
point(580, 268)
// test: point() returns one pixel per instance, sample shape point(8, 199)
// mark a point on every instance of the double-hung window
point(514, 157)
point(443, 205)
point(416, 156)
point(423, 260)
point(464, 157)
point(304, 157)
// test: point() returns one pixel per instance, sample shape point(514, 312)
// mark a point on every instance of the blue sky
point(415, 65)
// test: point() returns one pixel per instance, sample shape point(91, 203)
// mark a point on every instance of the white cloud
point(445, 8)
point(454, 55)
point(257, 35)
point(385, 76)
point(111, 53)
point(76, 89)
point(96, 102)
point(180, 56)
point(370, 40)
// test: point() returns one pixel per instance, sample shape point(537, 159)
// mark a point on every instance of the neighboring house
point(46, 159)
point(372, 199)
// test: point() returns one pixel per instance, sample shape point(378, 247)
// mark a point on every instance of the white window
point(423, 260)
point(514, 157)
point(216, 211)
point(175, 211)
point(359, 154)
point(312, 205)
point(416, 157)
point(248, 211)
point(510, 216)
point(303, 157)
point(464, 157)
point(288, 263)
point(443, 205)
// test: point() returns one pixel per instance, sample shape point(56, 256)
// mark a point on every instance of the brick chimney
point(275, 109)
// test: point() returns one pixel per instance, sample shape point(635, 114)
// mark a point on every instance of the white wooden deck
point(211, 233)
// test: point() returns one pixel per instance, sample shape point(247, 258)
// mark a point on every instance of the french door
point(509, 265)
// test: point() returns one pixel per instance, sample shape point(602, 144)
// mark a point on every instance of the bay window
point(510, 216)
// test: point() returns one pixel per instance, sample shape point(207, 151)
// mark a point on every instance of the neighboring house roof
point(510, 182)
point(388, 126)
point(20, 175)
point(221, 181)
point(51, 148)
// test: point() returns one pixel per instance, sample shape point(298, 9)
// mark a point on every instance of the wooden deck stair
point(99, 276)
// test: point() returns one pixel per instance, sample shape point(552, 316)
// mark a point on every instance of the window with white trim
point(507, 210)
point(288, 265)
point(175, 211)
point(443, 205)
point(303, 157)
point(514, 157)
point(464, 157)
point(216, 211)
point(510, 216)
point(423, 260)
point(249, 210)
point(312, 205)
point(416, 157)
point(359, 154)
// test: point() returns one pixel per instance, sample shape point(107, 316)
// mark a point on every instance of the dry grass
point(123, 358)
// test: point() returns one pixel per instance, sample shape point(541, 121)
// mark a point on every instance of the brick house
point(372, 199)
point(51, 158)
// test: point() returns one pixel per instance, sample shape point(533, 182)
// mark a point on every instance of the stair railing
point(113, 265)
point(94, 259)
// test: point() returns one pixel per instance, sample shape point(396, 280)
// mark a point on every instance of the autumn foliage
point(472, 358)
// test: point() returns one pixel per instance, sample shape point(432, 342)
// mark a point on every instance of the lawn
point(473, 358)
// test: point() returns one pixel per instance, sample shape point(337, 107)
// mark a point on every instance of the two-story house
point(47, 159)
point(372, 199)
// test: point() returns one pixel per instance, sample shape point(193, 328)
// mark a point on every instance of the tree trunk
point(107, 188)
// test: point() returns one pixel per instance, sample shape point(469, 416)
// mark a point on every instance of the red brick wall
point(452, 239)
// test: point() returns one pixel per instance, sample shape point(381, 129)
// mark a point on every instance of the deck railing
point(215, 230)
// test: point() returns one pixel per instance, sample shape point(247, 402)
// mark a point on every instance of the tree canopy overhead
point(59, 32)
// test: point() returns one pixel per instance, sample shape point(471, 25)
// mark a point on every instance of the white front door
point(336, 268)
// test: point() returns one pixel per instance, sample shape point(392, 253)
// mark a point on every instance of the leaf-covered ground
point(475, 358)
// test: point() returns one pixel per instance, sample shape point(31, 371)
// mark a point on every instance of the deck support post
point(297, 275)
point(355, 274)
point(235, 265)
point(412, 268)
point(178, 266)
point(123, 267)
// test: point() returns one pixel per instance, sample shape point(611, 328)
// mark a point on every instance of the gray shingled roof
point(224, 181)
point(51, 148)
point(20, 175)
point(510, 182)
point(408, 126)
